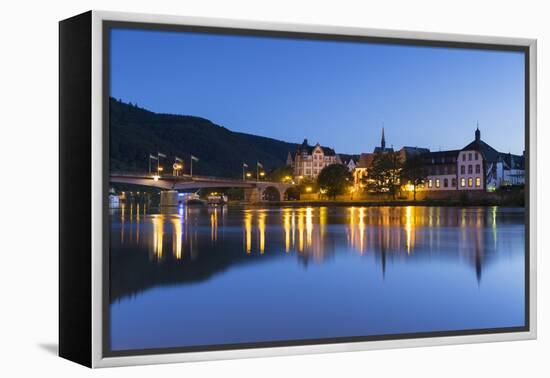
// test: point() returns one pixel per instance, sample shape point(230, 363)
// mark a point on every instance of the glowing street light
point(244, 170)
point(258, 166)
point(159, 168)
point(309, 189)
point(177, 166)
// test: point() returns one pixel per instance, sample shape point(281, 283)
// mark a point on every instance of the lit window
point(430, 183)
point(478, 181)
point(437, 183)
point(462, 182)
point(470, 182)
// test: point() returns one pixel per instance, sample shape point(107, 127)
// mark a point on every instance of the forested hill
point(136, 132)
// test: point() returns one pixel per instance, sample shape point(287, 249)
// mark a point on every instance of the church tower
point(383, 141)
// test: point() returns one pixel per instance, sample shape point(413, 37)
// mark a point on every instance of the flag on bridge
point(245, 165)
point(152, 157)
point(161, 155)
point(260, 165)
point(179, 159)
point(194, 158)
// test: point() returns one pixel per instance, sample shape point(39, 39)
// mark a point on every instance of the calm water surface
point(224, 275)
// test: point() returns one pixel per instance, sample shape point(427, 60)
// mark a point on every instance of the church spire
point(383, 142)
point(478, 133)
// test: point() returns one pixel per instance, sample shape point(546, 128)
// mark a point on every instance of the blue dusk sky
point(336, 93)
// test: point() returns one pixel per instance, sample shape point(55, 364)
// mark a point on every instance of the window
point(462, 169)
point(437, 183)
point(477, 156)
point(478, 182)
point(453, 183)
point(463, 157)
point(430, 183)
point(470, 156)
point(470, 182)
point(445, 182)
point(478, 168)
point(463, 182)
point(470, 171)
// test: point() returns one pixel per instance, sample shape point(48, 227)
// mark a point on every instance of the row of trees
point(386, 175)
point(388, 172)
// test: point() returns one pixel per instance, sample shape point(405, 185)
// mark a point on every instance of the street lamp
point(178, 166)
point(244, 166)
point(159, 168)
point(152, 157)
point(258, 166)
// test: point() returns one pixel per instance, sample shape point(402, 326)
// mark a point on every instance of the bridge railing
point(186, 177)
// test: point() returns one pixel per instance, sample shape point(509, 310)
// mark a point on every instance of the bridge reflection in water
point(354, 270)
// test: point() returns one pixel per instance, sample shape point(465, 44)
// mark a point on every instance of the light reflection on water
point(185, 259)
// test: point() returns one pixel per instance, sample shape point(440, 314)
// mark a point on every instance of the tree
point(281, 174)
point(335, 179)
point(308, 185)
point(414, 172)
point(385, 172)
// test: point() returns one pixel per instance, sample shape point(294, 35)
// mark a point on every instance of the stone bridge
point(254, 191)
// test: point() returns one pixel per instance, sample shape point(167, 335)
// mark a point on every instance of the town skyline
point(290, 89)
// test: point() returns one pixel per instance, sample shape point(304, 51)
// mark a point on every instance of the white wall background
point(28, 211)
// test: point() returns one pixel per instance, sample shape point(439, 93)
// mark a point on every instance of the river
point(203, 276)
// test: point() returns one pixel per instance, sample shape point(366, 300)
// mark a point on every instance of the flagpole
point(158, 164)
point(191, 166)
point(149, 164)
point(243, 172)
point(257, 171)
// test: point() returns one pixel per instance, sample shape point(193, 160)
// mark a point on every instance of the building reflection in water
point(317, 232)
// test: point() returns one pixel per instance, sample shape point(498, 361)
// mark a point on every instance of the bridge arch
point(291, 193)
point(271, 193)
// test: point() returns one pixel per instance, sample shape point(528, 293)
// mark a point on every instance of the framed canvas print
point(236, 189)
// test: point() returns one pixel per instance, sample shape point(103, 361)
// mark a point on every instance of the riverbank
point(395, 203)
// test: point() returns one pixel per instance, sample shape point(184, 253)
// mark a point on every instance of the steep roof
point(365, 160)
point(383, 149)
point(488, 152)
point(440, 157)
point(412, 151)
point(513, 161)
point(305, 147)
